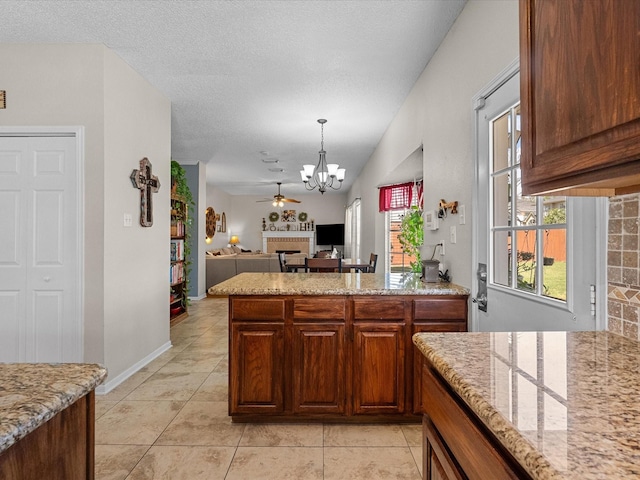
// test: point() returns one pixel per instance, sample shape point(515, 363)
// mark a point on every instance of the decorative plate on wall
point(210, 219)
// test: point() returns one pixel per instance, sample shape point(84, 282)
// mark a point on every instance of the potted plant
point(411, 236)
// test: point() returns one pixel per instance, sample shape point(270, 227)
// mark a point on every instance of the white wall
point(137, 125)
point(125, 270)
point(244, 214)
point(438, 114)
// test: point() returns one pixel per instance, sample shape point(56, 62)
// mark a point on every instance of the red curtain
point(395, 197)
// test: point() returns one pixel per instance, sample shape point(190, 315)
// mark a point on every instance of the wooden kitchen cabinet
point(580, 96)
point(318, 363)
point(256, 365)
point(378, 368)
point(330, 356)
point(456, 444)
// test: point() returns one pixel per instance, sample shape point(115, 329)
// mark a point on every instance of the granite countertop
point(565, 404)
point(353, 283)
point(32, 393)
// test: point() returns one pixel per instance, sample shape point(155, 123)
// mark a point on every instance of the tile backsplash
point(623, 294)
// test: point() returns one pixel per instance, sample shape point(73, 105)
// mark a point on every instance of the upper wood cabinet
point(580, 96)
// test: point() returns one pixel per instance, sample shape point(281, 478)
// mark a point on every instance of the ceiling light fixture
point(323, 175)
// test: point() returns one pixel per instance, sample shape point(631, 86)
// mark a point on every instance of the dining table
point(348, 264)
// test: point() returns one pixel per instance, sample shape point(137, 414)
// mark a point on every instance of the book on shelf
point(177, 250)
point(176, 273)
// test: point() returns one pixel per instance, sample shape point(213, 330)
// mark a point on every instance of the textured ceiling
point(248, 79)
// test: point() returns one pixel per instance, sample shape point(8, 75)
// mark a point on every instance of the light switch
point(452, 234)
point(128, 220)
point(461, 215)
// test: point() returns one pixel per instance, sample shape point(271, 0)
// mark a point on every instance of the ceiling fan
point(279, 199)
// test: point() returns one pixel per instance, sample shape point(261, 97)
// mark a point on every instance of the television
point(330, 234)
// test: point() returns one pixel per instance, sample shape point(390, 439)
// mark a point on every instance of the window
point(528, 234)
point(395, 201)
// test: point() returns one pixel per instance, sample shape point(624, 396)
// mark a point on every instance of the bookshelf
point(177, 265)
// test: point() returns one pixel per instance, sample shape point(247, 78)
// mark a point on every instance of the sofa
point(224, 263)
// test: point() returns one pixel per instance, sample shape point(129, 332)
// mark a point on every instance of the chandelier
point(323, 175)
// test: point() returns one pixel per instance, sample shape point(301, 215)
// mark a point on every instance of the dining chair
point(373, 261)
point(283, 264)
point(323, 265)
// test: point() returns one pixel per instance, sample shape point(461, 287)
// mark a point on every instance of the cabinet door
point(318, 370)
point(256, 368)
point(378, 368)
point(580, 96)
point(438, 464)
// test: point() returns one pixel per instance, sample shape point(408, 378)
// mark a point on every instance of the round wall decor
point(210, 220)
point(274, 216)
point(302, 217)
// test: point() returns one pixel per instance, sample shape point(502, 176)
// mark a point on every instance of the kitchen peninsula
point(47, 420)
point(530, 405)
point(331, 346)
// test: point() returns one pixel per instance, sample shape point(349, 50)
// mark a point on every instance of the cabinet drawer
point(319, 308)
point(440, 309)
point(378, 308)
point(257, 309)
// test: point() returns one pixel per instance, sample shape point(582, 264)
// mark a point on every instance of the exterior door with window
point(541, 253)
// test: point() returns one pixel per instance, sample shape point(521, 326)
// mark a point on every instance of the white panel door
point(40, 319)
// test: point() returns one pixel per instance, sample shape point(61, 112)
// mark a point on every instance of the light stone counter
point(332, 284)
point(32, 393)
point(565, 404)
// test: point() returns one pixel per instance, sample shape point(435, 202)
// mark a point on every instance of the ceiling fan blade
point(265, 200)
point(291, 200)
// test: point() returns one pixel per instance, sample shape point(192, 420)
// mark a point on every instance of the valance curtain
point(399, 196)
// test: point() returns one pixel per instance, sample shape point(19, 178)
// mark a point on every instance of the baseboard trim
point(199, 297)
point(111, 384)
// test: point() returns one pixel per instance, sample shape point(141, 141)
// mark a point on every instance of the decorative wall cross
point(148, 183)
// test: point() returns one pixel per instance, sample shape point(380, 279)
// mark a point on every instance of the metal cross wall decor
point(148, 183)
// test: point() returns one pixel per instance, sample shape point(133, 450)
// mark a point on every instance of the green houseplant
point(411, 236)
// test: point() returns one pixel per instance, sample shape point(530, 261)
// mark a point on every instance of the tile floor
point(169, 421)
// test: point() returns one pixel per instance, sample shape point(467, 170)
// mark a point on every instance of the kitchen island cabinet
point(330, 346)
point(47, 420)
point(580, 97)
point(530, 405)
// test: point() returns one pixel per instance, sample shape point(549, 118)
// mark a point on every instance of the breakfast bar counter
point(47, 419)
point(331, 346)
point(354, 283)
point(539, 405)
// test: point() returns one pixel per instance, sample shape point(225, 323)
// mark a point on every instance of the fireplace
point(287, 241)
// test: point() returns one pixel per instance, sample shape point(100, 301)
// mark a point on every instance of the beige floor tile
point(129, 385)
point(114, 462)
point(367, 463)
point(276, 463)
point(202, 423)
point(282, 435)
point(188, 362)
point(413, 434)
point(183, 463)
point(139, 423)
point(103, 406)
point(223, 366)
point(169, 386)
point(364, 436)
point(417, 456)
point(214, 389)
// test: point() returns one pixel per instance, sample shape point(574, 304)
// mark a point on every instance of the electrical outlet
point(452, 234)
point(441, 247)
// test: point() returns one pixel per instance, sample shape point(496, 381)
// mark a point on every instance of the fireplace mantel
point(288, 240)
